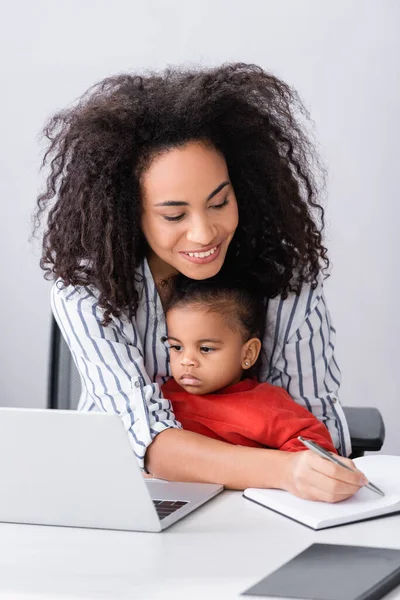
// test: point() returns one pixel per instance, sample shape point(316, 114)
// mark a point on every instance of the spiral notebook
point(382, 470)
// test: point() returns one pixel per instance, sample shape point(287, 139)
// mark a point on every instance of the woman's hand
point(311, 477)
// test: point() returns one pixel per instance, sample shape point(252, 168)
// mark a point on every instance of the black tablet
point(333, 572)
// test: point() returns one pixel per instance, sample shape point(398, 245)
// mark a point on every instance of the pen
point(325, 454)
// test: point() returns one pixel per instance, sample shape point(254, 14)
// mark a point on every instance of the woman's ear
point(250, 351)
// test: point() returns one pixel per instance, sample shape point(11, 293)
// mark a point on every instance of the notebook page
point(384, 471)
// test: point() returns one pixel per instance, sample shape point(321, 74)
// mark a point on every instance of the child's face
point(205, 353)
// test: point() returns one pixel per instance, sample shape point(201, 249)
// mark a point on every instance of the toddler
point(214, 331)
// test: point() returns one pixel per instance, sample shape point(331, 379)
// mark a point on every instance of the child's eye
point(175, 347)
point(206, 349)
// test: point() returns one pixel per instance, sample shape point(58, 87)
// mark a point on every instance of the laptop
point(62, 467)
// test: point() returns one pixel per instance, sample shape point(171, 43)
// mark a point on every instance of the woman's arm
point(300, 346)
point(112, 368)
point(180, 455)
point(110, 362)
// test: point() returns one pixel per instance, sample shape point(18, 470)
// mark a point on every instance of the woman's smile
point(202, 256)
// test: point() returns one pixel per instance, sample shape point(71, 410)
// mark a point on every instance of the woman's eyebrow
point(182, 203)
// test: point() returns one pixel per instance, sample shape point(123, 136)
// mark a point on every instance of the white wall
point(343, 57)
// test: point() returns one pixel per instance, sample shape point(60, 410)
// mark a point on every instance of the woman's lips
point(188, 379)
point(202, 260)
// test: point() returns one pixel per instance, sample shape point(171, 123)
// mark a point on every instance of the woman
point(190, 172)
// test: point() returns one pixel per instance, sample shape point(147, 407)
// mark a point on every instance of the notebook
point(333, 572)
point(383, 471)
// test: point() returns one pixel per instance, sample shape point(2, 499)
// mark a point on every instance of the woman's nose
point(201, 232)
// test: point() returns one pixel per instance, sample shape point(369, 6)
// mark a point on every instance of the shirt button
point(137, 384)
point(334, 400)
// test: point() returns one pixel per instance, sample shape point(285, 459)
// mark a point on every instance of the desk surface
point(215, 553)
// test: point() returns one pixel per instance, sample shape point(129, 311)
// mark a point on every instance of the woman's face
point(189, 211)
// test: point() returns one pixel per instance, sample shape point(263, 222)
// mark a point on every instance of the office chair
point(367, 430)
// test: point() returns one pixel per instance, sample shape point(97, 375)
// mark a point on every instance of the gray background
point(342, 56)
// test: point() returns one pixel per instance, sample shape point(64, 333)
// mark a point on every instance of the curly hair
point(99, 148)
point(238, 300)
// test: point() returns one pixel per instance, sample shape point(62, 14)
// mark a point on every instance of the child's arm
point(284, 420)
point(263, 415)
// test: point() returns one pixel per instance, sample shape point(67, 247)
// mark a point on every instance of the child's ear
point(250, 351)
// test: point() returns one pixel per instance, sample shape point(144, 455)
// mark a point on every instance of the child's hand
point(311, 477)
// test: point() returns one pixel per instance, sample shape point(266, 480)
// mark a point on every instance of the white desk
point(213, 554)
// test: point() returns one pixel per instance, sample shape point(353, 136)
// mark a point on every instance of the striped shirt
point(123, 365)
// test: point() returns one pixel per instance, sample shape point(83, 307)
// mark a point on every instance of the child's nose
point(188, 361)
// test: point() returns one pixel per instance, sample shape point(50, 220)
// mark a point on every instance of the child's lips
point(189, 379)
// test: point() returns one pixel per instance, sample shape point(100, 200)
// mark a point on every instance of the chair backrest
point(64, 386)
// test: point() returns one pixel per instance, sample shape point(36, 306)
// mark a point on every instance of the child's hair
point(238, 301)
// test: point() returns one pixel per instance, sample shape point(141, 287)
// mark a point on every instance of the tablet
point(333, 572)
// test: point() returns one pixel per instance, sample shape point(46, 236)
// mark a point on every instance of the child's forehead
point(200, 321)
point(197, 311)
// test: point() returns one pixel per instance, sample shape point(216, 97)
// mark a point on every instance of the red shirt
point(248, 414)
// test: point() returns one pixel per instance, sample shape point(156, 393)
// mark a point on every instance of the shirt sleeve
point(111, 365)
point(302, 359)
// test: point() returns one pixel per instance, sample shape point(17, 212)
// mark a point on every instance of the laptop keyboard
point(166, 507)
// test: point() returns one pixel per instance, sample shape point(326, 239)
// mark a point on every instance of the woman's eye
point(173, 219)
point(206, 349)
point(218, 206)
point(180, 217)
